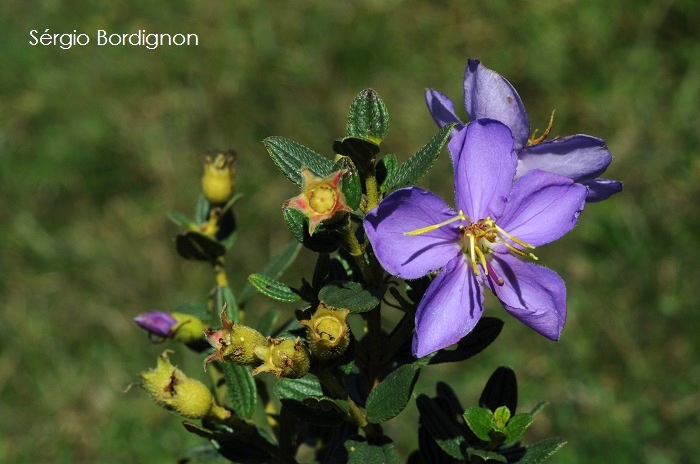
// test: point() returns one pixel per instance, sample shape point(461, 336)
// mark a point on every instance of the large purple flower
point(487, 94)
point(414, 232)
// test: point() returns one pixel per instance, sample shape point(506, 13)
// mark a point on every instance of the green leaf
point(361, 452)
point(480, 421)
point(196, 246)
point(201, 212)
point(410, 172)
point(368, 117)
point(224, 295)
point(242, 392)
point(273, 288)
point(322, 241)
point(517, 425)
point(485, 332)
point(391, 396)
point(385, 169)
point(539, 407)
point(267, 322)
point(298, 389)
point(348, 295)
point(290, 157)
point(542, 450)
point(273, 268)
point(350, 183)
point(501, 416)
point(181, 220)
point(486, 455)
point(441, 427)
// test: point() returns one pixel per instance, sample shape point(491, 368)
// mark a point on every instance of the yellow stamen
point(460, 217)
point(533, 140)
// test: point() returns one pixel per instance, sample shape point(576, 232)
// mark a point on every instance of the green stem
point(372, 188)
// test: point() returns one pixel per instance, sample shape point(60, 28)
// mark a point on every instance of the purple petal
point(534, 295)
point(156, 322)
point(488, 95)
point(577, 157)
point(542, 207)
point(442, 110)
point(484, 168)
point(601, 189)
point(412, 256)
point(449, 310)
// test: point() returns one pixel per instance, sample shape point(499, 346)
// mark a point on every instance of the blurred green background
point(97, 143)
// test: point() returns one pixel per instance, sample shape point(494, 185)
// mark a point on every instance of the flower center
point(322, 198)
point(478, 240)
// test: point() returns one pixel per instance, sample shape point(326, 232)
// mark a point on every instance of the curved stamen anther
point(460, 217)
point(534, 141)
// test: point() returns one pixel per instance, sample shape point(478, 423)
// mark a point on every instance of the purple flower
point(414, 232)
point(487, 94)
point(156, 322)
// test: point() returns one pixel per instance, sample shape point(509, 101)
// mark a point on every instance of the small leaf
point(242, 392)
point(273, 288)
point(350, 183)
point(201, 212)
point(368, 117)
point(322, 241)
point(501, 416)
point(485, 332)
point(441, 427)
point(501, 390)
point(361, 452)
point(273, 268)
point(298, 389)
point(305, 399)
point(224, 296)
point(486, 455)
point(198, 247)
point(539, 407)
point(290, 157)
point(411, 171)
point(391, 396)
point(385, 169)
point(517, 425)
point(542, 450)
point(181, 220)
point(348, 295)
point(480, 421)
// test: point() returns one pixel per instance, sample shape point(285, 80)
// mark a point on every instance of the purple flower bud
point(156, 322)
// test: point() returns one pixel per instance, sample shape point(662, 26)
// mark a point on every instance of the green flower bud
point(219, 178)
point(187, 329)
point(174, 391)
point(284, 358)
point(234, 342)
point(327, 332)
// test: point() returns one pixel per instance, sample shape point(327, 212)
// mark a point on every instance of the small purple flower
point(157, 323)
point(414, 232)
point(487, 94)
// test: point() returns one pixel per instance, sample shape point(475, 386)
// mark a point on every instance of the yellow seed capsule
point(327, 332)
point(235, 343)
point(283, 358)
point(219, 178)
point(174, 391)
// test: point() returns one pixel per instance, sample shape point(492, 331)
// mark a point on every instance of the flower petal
point(412, 256)
point(533, 294)
point(542, 207)
point(484, 165)
point(487, 94)
point(601, 189)
point(442, 110)
point(449, 310)
point(577, 157)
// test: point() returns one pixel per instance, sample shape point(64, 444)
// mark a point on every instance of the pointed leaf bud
point(219, 178)
point(173, 390)
point(235, 343)
point(284, 358)
point(321, 198)
point(328, 332)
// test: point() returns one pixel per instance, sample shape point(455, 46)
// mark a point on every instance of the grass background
point(97, 143)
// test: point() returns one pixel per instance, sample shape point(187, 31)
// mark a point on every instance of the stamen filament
point(534, 141)
point(460, 217)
